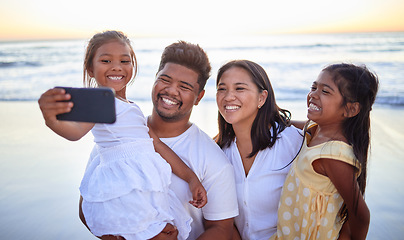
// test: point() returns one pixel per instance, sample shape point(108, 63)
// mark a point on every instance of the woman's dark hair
point(356, 84)
point(96, 42)
point(269, 116)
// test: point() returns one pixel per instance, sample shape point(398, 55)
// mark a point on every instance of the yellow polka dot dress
point(310, 203)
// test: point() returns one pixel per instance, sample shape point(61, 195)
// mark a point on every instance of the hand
point(170, 232)
point(199, 198)
point(51, 105)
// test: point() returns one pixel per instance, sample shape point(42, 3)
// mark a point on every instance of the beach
point(41, 172)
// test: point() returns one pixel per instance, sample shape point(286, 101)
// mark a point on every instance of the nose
point(313, 94)
point(229, 96)
point(117, 66)
point(172, 89)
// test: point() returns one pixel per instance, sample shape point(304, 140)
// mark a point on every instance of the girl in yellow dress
point(322, 197)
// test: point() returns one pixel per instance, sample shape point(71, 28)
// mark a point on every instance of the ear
point(200, 96)
point(262, 98)
point(352, 109)
point(90, 72)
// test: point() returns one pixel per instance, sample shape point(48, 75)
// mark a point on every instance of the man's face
point(175, 92)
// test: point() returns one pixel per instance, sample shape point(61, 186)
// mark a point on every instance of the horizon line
point(180, 36)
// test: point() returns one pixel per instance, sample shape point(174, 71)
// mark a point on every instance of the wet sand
point(41, 171)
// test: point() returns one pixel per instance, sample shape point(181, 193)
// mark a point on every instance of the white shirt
point(259, 192)
point(215, 172)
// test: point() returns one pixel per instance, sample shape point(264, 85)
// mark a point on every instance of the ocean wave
point(279, 47)
point(19, 64)
point(390, 100)
point(383, 100)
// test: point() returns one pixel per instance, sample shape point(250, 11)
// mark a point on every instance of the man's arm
point(218, 230)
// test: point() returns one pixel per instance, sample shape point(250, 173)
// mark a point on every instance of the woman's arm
point(181, 170)
point(342, 175)
point(51, 105)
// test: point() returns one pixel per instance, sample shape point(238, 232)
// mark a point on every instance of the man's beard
point(168, 117)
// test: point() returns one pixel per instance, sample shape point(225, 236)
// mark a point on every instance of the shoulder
point(292, 132)
point(197, 146)
point(290, 137)
point(336, 150)
point(122, 107)
point(205, 142)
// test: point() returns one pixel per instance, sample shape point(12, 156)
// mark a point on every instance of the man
point(181, 78)
point(179, 85)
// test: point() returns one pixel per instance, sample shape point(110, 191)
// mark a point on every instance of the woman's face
point(238, 98)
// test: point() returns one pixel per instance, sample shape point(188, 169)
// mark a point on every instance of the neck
point(244, 142)
point(328, 132)
point(167, 129)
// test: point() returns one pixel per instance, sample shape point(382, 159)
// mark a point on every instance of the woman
point(255, 135)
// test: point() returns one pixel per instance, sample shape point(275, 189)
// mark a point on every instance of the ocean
point(41, 172)
point(28, 68)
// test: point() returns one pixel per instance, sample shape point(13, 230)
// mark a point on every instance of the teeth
point(232, 107)
point(168, 101)
point(115, 77)
point(314, 107)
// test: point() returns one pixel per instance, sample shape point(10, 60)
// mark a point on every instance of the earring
point(259, 106)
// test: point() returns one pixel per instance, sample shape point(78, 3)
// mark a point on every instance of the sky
point(66, 19)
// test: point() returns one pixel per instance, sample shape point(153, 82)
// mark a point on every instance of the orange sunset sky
point(50, 19)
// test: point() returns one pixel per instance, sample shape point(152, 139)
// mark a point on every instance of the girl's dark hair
point(356, 84)
point(96, 42)
point(189, 55)
point(269, 116)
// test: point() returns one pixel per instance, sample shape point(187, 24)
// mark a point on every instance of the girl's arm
point(342, 175)
point(182, 171)
point(345, 232)
point(51, 105)
point(298, 123)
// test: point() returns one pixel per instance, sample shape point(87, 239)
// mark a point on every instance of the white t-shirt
point(215, 172)
point(259, 192)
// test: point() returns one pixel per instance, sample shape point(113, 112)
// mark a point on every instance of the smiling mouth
point(115, 78)
point(314, 107)
point(232, 107)
point(168, 101)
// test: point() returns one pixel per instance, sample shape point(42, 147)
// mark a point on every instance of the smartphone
point(95, 105)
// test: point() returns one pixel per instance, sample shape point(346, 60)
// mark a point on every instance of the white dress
point(125, 187)
point(259, 192)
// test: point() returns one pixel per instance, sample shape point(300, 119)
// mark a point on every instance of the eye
point(313, 88)
point(105, 61)
point(185, 87)
point(163, 79)
point(126, 62)
point(325, 91)
point(221, 89)
point(240, 88)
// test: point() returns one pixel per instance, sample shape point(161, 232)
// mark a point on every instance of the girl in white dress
point(125, 187)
